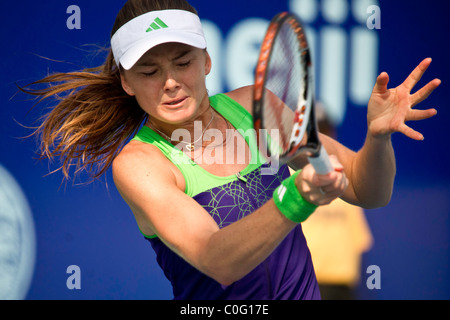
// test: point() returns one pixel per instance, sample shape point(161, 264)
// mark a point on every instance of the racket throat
point(241, 177)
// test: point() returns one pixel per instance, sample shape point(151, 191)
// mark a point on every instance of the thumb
point(381, 84)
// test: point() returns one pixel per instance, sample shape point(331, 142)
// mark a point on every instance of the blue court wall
point(89, 226)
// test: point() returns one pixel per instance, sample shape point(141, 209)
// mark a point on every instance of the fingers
point(389, 109)
point(411, 133)
point(417, 74)
point(416, 115)
point(334, 188)
point(413, 115)
point(323, 189)
point(425, 92)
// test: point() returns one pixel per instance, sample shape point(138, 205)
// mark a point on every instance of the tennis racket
point(283, 102)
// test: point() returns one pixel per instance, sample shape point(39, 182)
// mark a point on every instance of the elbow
point(220, 271)
point(377, 205)
point(370, 196)
point(223, 263)
point(385, 198)
point(220, 275)
point(378, 202)
point(225, 281)
point(385, 202)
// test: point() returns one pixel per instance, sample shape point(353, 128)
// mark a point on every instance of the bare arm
point(154, 189)
point(185, 227)
point(149, 182)
point(371, 171)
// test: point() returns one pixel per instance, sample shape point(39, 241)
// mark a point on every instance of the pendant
point(190, 147)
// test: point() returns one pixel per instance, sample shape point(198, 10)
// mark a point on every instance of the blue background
point(90, 226)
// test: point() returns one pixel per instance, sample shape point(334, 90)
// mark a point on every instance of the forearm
point(234, 251)
point(373, 172)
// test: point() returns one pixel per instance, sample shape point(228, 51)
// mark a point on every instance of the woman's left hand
point(389, 109)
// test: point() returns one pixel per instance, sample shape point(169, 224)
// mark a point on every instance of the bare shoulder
point(138, 160)
point(147, 181)
point(135, 155)
point(243, 96)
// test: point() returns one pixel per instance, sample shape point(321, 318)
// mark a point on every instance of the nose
point(171, 83)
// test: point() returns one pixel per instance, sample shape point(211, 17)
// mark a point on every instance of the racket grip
point(321, 163)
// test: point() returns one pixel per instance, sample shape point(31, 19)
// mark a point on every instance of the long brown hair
point(94, 117)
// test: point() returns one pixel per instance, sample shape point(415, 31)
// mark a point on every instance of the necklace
point(189, 146)
point(226, 137)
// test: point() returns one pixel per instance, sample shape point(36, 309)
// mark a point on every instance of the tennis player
point(216, 229)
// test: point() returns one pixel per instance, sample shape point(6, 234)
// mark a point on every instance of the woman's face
point(169, 83)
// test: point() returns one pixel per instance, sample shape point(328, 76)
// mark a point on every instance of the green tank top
point(198, 179)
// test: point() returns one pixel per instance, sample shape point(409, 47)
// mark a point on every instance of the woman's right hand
point(322, 189)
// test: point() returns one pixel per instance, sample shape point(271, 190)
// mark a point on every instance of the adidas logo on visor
point(157, 24)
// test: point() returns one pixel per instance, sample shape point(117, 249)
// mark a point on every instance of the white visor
point(146, 31)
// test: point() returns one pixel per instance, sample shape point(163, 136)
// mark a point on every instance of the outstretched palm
point(389, 109)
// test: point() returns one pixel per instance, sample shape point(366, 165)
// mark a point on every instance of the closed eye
point(148, 74)
point(184, 64)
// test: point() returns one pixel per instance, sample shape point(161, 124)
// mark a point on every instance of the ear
point(208, 63)
point(126, 87)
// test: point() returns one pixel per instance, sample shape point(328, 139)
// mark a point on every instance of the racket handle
point(321, 163)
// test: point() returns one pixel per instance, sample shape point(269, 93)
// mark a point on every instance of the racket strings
point(285, 81)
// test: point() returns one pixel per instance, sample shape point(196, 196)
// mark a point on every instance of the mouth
point(175, 102)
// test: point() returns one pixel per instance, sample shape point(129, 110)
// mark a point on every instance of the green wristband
point(290, 202)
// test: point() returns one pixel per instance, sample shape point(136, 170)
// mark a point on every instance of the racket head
point(283, 101)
